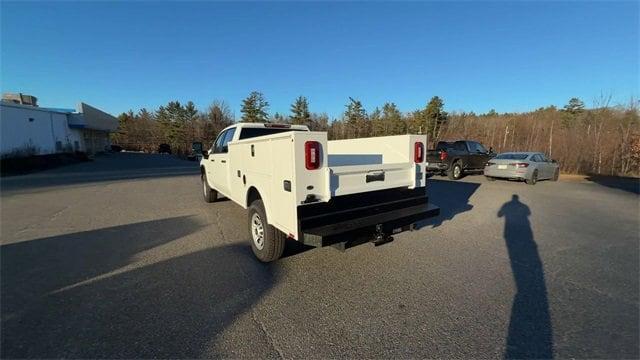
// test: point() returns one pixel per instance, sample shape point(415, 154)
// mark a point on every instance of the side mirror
point(196, 147)
point(490, 150)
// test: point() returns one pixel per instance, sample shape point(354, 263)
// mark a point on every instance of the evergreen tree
point(177, 126)
point(377, 125)
point(392, 120)
point(300, 111)
point(356, 119)
point(254, 108)
point(434, 117)
point(571, 111)
point(415, 123)
point(164, 124)
point(125, 120)
point(491, 112)
point(574, 107)
point(190, 117)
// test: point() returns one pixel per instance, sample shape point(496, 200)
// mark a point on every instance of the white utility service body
point(312, 189)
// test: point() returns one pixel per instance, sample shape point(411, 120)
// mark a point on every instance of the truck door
point(477, 155)
point(220, 162)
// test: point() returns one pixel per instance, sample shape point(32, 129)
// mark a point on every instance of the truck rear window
point(247, 133)
point(512, 156)
point(443, 145)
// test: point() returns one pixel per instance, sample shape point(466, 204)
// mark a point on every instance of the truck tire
point(455, 172)
point(209, 194)
point(534, 178)
point(267, 242)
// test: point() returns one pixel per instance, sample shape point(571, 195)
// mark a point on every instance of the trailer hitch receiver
point(379, 237)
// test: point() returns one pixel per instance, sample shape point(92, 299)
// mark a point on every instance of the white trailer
point(298, 185)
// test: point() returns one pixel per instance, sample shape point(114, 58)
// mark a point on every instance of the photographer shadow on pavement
point(530, 333)
point(451, 196)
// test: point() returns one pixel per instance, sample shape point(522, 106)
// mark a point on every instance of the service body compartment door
point(283, 205)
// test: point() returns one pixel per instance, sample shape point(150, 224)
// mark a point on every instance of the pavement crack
point(57, 213)
point(219, 227)
point(267, 334)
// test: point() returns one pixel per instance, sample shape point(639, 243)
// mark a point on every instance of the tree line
point(602, 140)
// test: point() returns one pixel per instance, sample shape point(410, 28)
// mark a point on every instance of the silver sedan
point(527, 166)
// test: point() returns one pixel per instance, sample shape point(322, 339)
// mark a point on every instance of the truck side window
point(478, 148)
point(217, 145)
point(223, 140)
point(460, 146)
point(229, 137)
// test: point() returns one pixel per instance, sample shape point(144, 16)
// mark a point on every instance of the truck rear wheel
point(267, 242)
point(455, 173)
point(209, 194)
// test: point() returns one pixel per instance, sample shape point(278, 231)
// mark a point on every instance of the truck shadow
point(530, 334)
point(451, 196)
point(629, 184)
point(84, 295)
point(294, 247)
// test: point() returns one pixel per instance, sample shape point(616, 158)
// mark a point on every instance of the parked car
point(300, 186)
point(196, 151)
point(457, 158)
point(164, 149)
point(527, 166)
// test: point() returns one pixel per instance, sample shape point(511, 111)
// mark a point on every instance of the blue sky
point(511, 56)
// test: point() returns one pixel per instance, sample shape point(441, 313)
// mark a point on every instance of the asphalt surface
point(121, 258)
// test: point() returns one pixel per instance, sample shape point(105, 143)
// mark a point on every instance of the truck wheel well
point(252, 195)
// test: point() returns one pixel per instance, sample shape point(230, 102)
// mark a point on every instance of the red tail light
point(418, 154)
point(443, 155)
point(520, 165)
point(312, 155)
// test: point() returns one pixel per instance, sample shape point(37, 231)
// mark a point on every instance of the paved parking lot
point(122, 258)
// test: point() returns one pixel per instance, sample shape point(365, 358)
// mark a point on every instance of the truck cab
point(216, 162)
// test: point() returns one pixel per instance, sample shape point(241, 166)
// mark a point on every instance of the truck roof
point(268, 125)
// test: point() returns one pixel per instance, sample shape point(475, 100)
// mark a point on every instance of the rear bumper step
point(380, 212)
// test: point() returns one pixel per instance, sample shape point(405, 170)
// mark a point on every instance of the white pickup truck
point(298, 185)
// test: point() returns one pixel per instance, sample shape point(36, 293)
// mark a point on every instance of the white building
point(28, 129)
